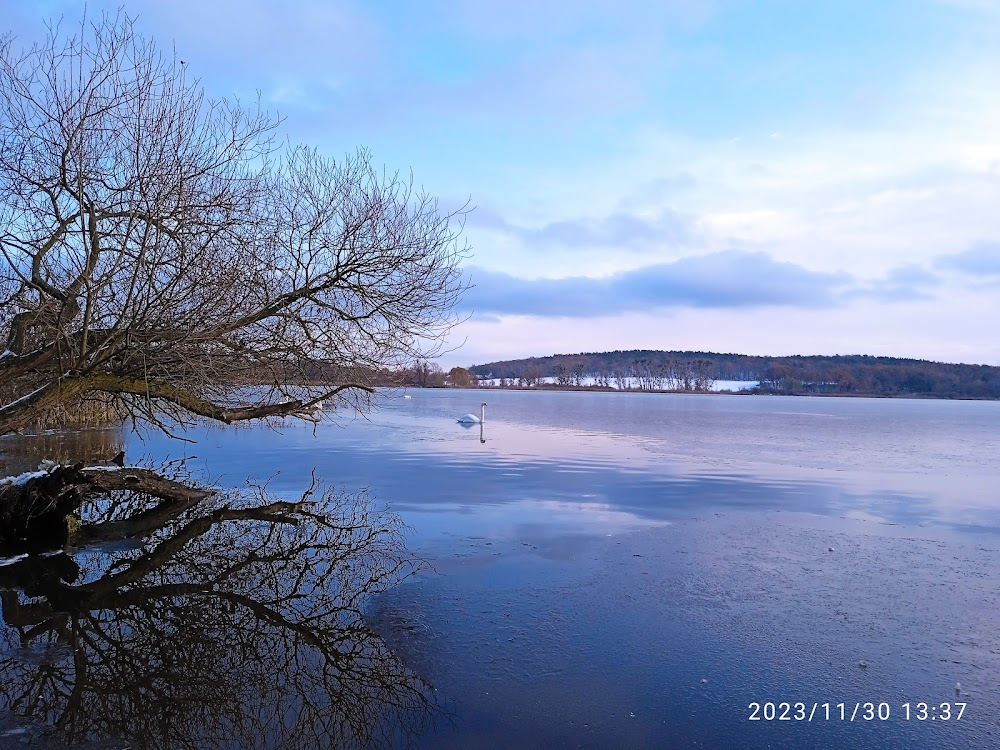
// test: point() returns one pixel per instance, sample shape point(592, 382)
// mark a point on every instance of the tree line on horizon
point(650, 370)
point(856, 374)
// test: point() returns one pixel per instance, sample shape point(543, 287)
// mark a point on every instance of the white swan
point(472, 418)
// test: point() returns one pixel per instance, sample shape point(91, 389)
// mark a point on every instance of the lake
point(649, 570)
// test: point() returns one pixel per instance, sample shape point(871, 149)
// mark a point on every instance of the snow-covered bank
point(630, 384)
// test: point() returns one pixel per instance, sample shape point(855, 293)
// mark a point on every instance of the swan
point(472, 418)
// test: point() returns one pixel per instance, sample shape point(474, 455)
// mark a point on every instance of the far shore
point(601, 389)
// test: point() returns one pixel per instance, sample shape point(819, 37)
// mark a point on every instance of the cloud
point(727, 279)
point(982, 259)
point(901, 284)
point(657, 191)
point(618, 230)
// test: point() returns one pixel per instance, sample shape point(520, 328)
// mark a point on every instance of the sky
point(767, 177)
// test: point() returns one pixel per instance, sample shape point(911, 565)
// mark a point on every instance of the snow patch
point(631, 383)
point(22, 479)
point(25, 397)
point(4, 561)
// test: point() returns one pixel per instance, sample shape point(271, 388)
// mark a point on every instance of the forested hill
point(659, 370)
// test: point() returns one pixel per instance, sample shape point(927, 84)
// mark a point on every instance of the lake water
point(637, 570)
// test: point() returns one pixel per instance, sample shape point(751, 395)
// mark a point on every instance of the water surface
point(634, 570)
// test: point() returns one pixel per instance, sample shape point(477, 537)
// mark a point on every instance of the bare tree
point(461, 378)
point(562, 377)
point(623, 376)
point(533, 375)
point(158, 248)
point(424, 374)
point(703, 380)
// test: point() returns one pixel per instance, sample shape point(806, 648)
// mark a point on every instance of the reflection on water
point(653, 457)
point(480, 424)
point(20, 453)
point(237, 625)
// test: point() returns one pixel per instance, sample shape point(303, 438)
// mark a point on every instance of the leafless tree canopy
point(158, 248)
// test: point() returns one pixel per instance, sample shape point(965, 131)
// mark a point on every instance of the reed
point(90, 410)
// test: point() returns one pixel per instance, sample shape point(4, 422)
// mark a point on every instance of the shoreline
point(602, 389)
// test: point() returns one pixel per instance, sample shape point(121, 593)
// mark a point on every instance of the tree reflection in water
point(237, 625)
point(23, 452)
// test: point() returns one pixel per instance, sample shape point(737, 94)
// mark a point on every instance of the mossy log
point(34, 506)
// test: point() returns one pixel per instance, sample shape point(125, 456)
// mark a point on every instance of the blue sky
point(751, 176)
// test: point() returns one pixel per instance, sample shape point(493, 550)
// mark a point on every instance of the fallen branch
point(34, 506)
